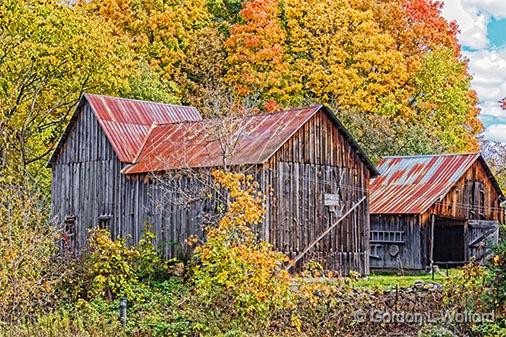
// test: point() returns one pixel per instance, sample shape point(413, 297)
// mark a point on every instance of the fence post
point(123, 311)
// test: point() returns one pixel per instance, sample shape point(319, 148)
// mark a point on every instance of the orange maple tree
point(376, 58)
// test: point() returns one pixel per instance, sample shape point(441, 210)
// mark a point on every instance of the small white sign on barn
point(332, 200)
point(334, 203)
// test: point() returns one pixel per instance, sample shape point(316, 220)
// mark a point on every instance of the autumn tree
point(256, 60)
point(176, 42)
point(440, 100)
point(201, 76)
point(445, 104)
point(495, 154)
point(225, 11)
point(236, 275)
point(27, 248)
point(49, 54)
point(395, 64)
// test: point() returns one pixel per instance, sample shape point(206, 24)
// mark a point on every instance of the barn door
point(481, 236)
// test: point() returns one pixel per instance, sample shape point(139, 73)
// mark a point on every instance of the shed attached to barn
point(110, 165)
point(433, 210)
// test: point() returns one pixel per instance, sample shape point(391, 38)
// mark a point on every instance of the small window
point(69, 232)
point(104, 221)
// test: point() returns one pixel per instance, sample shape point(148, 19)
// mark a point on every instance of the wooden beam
point(321, 236)
point(431, 248)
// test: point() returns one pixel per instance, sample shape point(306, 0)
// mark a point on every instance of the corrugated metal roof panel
point(412, 184)
point(198, 144)
point(126, 121)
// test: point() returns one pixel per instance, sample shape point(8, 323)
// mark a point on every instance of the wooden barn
point(117, 156)
point(433, 210)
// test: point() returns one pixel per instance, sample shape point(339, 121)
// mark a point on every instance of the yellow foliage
point(50, 53)
point(27, 246)
point(112, 269)
point(235, 270)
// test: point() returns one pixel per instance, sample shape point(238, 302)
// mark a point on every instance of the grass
point(389, 281)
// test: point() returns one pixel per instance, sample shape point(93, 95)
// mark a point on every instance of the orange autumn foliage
point(256, 52)
point(369, 57)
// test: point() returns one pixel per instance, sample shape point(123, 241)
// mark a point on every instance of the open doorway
point(449, 246)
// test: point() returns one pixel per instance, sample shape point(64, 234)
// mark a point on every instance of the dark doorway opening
point(449, 242)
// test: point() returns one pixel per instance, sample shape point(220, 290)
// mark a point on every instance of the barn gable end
point(316, 176)
point(88, 188)
point(86, 179)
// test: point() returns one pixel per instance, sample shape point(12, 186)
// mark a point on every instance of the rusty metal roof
point(412, 184)
point(126, 122)
point(155, 136)
point(199, 144)
point(251, 140)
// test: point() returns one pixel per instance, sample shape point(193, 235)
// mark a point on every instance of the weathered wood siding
point(410, 250)
point(87, 184)
point(315, 161)
point(458, 202)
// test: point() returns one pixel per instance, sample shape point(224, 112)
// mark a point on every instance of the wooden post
point(123, 311)
point(466, 241)
point(321, 236)
point(431, 249)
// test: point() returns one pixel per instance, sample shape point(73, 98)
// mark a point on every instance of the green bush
point(109, 267)
point(494, 294)
point(496, 280)
point(112, 269)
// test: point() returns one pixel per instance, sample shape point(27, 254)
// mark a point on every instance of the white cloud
point(488, 66)
point(496, 132)
point(472, 23)
point(496, 8)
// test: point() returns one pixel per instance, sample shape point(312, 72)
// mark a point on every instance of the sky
point(482, 35)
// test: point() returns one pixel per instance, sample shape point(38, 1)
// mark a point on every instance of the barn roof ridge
point(135, 100)
point(431, 155)
point(311, 106)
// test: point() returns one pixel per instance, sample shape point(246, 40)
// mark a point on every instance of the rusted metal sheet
point(412, 184)
point(251, 140)
point(126, 122)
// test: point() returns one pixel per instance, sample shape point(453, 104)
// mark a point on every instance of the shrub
point(239, 278)
point(27, 246)
point(108, 267)
point(462, 292)
point(496, 280)
point(112, 269)
point(494, 295)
